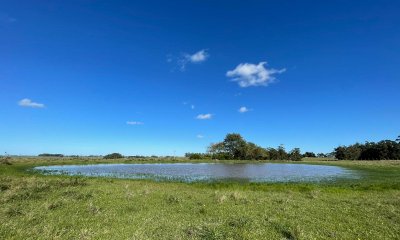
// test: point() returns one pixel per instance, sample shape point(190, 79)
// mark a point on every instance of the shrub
point(193, 155)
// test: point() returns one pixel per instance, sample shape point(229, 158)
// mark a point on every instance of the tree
point(235, 146)
point(385, 149)
point(354, 151)
point(295, 155)
point(256, 152)
point(282, 154)
point(340, 153)
point(273, 154)
point(216, 148)
point(217, 151)
point(113, 156)
point(309, 154)
point(398, 139)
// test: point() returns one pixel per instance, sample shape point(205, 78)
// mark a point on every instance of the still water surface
point(189, 172)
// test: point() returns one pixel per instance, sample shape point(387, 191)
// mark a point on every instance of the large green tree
point(235, 146)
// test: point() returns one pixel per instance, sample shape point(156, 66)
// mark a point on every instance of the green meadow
point(36, 206)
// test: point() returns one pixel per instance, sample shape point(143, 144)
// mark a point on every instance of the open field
point(34, 206)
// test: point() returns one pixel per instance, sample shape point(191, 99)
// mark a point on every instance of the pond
point(190, 172)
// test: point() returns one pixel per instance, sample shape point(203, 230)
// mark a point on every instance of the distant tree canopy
point(309, 154)
point(235, 147)
point(50, 155)
point(113, 156)
point(382, 150)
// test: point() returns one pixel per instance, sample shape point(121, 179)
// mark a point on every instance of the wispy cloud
point(199, 136)
point(192, 106)
point(186, 58)
point(248, 74)
point(26, 102)
point(243, 109)
point(204, 116)
point(134, 123)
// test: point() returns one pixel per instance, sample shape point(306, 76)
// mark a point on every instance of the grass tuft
point(204, 233)
point(53, 205)
point(171, 199)
point(93, 208)
point(14, 211)
point(239, 222)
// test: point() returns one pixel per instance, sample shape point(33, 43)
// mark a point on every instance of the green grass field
point(35, 206)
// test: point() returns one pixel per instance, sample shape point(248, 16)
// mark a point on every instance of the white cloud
point(199, 136)
point(243, 109)
point(197, 57)
point(26, 102)
point(134, 123)
point(248, 74)
point(204, 116)
point(186, 58)
point(192, 106)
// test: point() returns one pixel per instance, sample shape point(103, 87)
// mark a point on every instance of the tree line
point(235, 147)
point(382, 150)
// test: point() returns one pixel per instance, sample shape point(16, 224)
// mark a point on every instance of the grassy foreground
point(34, 206)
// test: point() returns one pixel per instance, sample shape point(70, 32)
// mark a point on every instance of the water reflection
point(188, 172)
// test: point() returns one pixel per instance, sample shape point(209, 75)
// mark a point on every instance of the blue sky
point(158, 77)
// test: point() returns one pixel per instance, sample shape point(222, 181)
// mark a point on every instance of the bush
point(198, 155)
point(193, 155)
point(113, 156)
